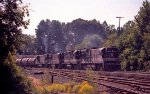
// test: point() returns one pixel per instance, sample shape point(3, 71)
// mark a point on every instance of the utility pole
point(119, 24)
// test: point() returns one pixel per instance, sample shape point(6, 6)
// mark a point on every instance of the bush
point(55, 88)
point(86, 88)
point(13, 80)
point(69, 88)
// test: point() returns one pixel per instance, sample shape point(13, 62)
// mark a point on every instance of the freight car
point(96, 58)
point(31, 60)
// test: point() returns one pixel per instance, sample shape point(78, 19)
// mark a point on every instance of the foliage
point(137, 40)
point(64, 36)
point(28, 45)
point(11, 21)
point(49, 36)
point(12, 14)
point(86, 89)
point(13, 80)
point(69, 88)
point(79, 29)
point(134, 41)
point(55, 88)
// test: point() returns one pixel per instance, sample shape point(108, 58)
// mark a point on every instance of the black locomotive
point(96, 58)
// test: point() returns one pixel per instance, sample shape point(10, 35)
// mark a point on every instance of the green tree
point(28, 44)
point(12, 14)
point(134, 41)
point(41, 31)
point(79, 30)
point(137, 40)
point(63, 36)
point(142, 20)
point(52, 31)
point(111, 35)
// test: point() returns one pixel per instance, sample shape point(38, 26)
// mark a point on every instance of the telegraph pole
point(119, 23)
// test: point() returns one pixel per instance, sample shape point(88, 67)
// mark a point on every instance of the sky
point(68, 10)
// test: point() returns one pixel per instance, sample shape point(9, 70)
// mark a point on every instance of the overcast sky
point(68, 10)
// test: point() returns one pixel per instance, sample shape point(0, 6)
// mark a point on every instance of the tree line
point(55, 36)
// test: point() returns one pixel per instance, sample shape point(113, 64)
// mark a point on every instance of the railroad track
point(118, 84)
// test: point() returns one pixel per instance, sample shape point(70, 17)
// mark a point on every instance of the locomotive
point(105, 59)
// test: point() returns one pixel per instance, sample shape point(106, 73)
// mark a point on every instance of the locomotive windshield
point(109, 52)
point(77, 54)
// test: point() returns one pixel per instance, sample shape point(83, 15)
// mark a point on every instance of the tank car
point(31, 62)
point(24, 62)
point(18, 61)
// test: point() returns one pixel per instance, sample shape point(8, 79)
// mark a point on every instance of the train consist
point(96, 58)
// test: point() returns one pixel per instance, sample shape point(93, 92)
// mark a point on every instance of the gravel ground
point(38, 74)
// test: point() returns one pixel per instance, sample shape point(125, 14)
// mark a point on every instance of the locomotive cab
point(78, 58)
point(110, 58)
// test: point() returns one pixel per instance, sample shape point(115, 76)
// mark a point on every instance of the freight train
point(105, 59)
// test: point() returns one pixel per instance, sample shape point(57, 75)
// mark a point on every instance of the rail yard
point(111, 82)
